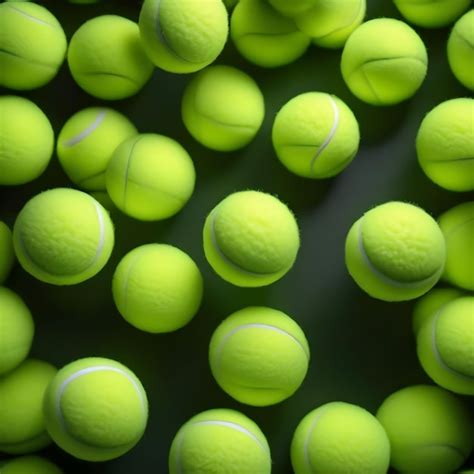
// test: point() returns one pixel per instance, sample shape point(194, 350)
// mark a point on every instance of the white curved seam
point(87, 131)
point(307, 439)
point(31, 17)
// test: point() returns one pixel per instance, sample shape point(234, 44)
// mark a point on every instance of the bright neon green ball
point(30, 465)
point(7, 255)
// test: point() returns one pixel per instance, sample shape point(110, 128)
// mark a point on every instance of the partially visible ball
point(293, 8)
point(30, 465)
point(7, 254)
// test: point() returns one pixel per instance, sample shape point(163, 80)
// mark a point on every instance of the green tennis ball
point(384, 62)
point(7, 255)
point(315, 135)
point(251, 239)
point(339, 437)
point(223, 108)
point(293, 8)
point(183, 36)
point(395, 252)
point(157, 288)
point(21, 400)
point(265, 37)
point(87, 141)
point(259, 356)
point(30, 465)
point(16, 329)
point(106, 58)
point(95, 409)
point(429, 429)
point(26, 140)
point(445, 145)
point(220, 441)
point(63, 236)
point(150, 177)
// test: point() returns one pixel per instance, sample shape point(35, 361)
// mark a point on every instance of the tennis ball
point(384, 62)
point(157, 288)
point(251, 239)
point(395, 252)
point(429, 429)
point(223, 108)
point(445, 145)
point(293, 8)
point(63, 236)
point(7, 255)
point(339, 437)
point(21, 399)
point(315, 135)
point(30, 465)
point(87, 141)
point(106, 58)
point(183, 36)
point(265, 37)
point(26, 140)
point(259, 356)
point(220, 441)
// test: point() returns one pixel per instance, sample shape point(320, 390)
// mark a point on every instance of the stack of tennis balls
point(7, 255)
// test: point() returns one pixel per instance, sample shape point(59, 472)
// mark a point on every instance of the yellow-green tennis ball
point(315, 135)
point(338, 438)
point(23, 429)
point(223, 108)
point(63, 236)
point(220, 441)
point(7, 255)
point(259, 356)
point(429, 429)
point(395, 252)
point(251, 239)
point(157, 288)
point(87, 141)
point(384, 62)
point(30, 465)
point(445, 145)
point(183, 36)
point(265, 37)
point(26, 140)
point(106, 58)
point(293, 8)
point(150, 177)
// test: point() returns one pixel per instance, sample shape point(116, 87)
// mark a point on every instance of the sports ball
point(95, 409)
point(293, 8)
point(30, 465)
point(7, 255)
point(315, 135)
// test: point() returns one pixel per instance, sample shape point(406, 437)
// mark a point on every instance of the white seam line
point(31, 17)
point(307, 439)
point(87, 131)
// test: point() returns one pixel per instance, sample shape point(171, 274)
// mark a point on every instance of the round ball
point(106, 58)
point(150, 177)
point(26, 140)
point(251, 239)
point(315, 135)
point(265, 37)
point(95, 409)
point(445, 145)
point(219, 441)
point(223, 108)
point(384, 62)
point(324, 442)
point(183, 36)
point(395, 252)
point(157, 288)
point(63, 236)
point(33, 46)
point(7, 255)
point(21, 407)
point(30, 465)
point(293, 8)
point(429, 429)
point(259, 356)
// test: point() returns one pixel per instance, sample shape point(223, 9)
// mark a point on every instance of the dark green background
point(362, 349)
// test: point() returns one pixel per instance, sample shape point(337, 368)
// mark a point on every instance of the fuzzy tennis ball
point(265, 37)
point(223, 108)
point(26, 140)
point(384, 62)
point(32, 45)
point(445, 145)
point(220, 441)
point(106, 58)
point(429, 429)
point(183, 36)
point(395, 252)
point(7, 255)
point(315, 135)
point(30, 465)
point(339, 437)
point(293, 8)
point(63, 236)
point(259, 356)
point(251, 239)
point(87, 141)
point(21, 400)
point(157, 288)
